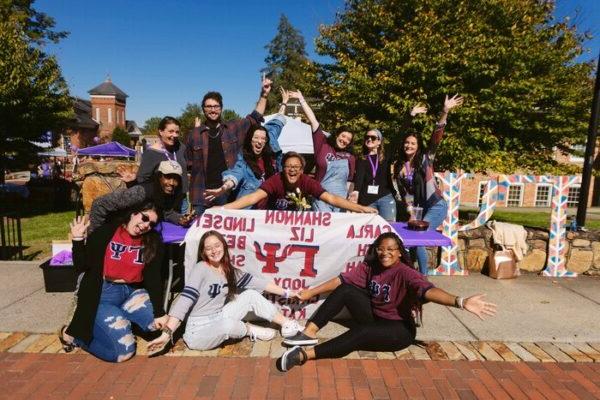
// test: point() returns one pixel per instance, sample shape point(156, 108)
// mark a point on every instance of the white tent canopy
point(295, 136)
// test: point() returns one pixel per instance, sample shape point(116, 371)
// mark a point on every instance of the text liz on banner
point(296, 249)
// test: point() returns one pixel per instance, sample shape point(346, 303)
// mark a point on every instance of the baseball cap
point(170, 167)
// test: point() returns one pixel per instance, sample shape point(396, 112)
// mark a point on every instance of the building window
point(482, 186)
point(543, 195)
point(580, 149)
point(97, 114)
point(573, 196)
point(123, 116)
point(515, 195)
point(109, 115)
point(118, 116)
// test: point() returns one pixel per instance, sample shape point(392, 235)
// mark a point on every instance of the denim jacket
point(242, 176)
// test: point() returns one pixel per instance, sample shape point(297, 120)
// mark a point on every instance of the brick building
point(529, 194)
point(95, 119)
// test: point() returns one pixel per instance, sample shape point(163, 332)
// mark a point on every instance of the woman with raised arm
point(259, 159)
point(334, 158)
point(414, 178)
point(373, 180)
point(219, 297)
point(122, 284)
point(382, 294)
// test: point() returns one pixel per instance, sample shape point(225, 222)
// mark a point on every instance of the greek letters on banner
point(297, 249)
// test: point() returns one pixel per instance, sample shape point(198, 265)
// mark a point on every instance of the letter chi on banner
point(496, 191)
point(297, 249)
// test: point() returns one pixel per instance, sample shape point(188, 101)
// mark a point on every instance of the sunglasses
point(146, 218)
point(371, 138)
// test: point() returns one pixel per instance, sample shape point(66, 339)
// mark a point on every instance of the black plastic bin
point(59, 278)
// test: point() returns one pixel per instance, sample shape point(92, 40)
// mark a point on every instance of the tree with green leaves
point(525, 93)
point(151, 126)
point(34, 97)
point(287, 63)
point(120, 135)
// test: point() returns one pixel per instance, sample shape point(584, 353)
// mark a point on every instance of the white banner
point(296, 249)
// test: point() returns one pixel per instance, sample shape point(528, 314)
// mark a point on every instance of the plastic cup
point(416, 213)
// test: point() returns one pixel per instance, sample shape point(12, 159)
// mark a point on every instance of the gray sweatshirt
point(206, 290)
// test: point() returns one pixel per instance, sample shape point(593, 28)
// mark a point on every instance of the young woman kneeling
point(382, 294)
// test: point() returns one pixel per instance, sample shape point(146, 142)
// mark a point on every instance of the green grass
point(39, 232)
point(537, 219)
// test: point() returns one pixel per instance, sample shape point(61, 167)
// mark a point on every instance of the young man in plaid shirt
point(213, 146)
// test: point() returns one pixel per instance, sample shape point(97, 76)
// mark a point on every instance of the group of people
point(239, 164)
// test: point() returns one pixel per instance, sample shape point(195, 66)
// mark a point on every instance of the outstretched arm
point(474, 304)
point(340, 202)
point(285, 97)
point(261, 105)
point(314, 123)
point(326, 287)
point(449, 104)
point(247, 200)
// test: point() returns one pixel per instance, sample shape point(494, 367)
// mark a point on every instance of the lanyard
point(374, 166)
point(170, 156)
point(409, 172)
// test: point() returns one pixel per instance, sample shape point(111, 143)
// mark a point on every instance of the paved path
point(58, 376)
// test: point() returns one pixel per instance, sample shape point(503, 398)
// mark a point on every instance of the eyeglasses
point(292, 167)
point(146, 218)
point(381, 250)
point(371, 138)
point(212, 107)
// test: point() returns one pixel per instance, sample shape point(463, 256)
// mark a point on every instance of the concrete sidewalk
point(531, 308)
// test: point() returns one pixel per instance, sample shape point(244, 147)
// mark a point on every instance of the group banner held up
point(296, 249)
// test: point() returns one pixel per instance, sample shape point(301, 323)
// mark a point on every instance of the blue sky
point(165, 54)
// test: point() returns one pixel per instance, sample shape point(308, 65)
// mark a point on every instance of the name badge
point(373, 189)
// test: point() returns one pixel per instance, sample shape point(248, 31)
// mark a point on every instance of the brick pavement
point(80, 376)
point(33, 366)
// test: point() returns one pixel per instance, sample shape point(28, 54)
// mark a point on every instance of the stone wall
point(583, 250)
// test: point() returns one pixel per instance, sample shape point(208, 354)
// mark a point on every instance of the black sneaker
point(291, 358)
point(300, 339)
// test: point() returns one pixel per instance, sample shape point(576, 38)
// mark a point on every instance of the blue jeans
point(120, 305)
point(386, 206)
point(435, 216)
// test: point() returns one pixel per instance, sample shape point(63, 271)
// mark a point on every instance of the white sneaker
point(260, 333)
point(290, 327)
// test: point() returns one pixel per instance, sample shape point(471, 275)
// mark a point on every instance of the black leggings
point(371, 333)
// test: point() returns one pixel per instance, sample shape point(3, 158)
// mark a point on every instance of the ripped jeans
point(120, 305)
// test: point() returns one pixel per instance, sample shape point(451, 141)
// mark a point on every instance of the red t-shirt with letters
point(123, 258)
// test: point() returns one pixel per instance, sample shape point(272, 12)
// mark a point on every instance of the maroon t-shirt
point(324, 152)
point(275, 189)
point(394, 291)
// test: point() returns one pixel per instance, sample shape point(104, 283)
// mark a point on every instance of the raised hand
point(478, 306)
point(266, 86)
point(453, 102)
point(418, 109)
point(79, 227)
point(197, 122)
point(297, 95)
point(126, 174)
point(285, 95)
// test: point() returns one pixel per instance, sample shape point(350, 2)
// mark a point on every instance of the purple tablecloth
point(171, 233)
point(420, 238)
